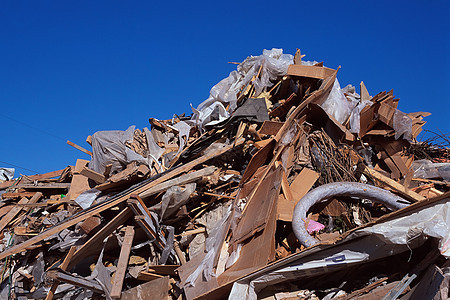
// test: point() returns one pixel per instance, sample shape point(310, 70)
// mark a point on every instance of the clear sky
point(71, 68)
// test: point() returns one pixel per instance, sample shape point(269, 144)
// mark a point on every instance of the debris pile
point(281, 185)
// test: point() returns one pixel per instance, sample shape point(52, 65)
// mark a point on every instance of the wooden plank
point(91, 174)
point(148, 276)
point(44, 186)
point(155, 289)
point(46, 175)
point(154, 184)
point(302, 183)
point(79, 148)
point(90, 224)
point(122, 265)
point(386, 114)
point(164, 269)
point(16, 209)
point(257, 161)
point(285, 209)
point(363, 91)
point(7, 184)
point(180, 254)
point(184, 179)
point(270, 127)
point(365, 289)
point(75, 280)
point(392, 184)
point(98, 238)
point(285, 187)
point(318, 97)
point(260, 250)
point(298, 57)
point(63, 267)
point(79, 182)
point(17, 195)
point(257, 211)
point(310, 71)
point(5, 209)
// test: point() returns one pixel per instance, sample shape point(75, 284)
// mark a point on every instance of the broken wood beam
point(53, 185)
point(116, 289)
point(148, 276)
point(97, 238)
point(16, 209)
point(95, 176)
point(393, 185)
point(79, 148)
point(63, 267)
point(184, 179)
point(75, 280)
point(17, 195)
point(154, 183)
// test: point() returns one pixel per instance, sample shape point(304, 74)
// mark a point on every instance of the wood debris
point(202, 206)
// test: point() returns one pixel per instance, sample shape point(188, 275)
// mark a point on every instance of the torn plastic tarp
point(212, 249)
point(108, 147)
point(355, 99)
point(6, 173)
point(102, 274)
point(155, 152)
point(274, 64)
point(380, 240)
point(252, 110)
point(355, 116)
point(173, 199)
point(183, 134)
point(424, 168)
point(402, 125)
point(85, 199)
point(67, 239)
point(337, 105)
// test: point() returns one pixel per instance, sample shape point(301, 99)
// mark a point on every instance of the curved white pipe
point(326, 191)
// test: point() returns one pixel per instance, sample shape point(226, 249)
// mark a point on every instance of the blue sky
point(71, 68)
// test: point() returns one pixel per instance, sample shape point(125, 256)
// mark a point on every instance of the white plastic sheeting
point(402, 125)
point(355, 116)
point(183, 134)
point(274, 64)
point(212, 249)
point(85, 199)
point(6, 173)
point(424, 168)
point(366, 244)
point(174, 198)
point(337, 105)
point(108, 147)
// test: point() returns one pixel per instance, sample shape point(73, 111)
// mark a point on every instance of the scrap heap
point(216, 205)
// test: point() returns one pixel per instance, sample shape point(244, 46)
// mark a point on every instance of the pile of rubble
point(281, 185)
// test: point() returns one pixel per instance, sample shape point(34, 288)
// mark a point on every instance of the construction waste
point(280, 185)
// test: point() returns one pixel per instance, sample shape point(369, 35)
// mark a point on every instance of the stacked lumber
point(203, 206)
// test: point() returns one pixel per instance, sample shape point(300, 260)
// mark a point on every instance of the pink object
point(314, 226)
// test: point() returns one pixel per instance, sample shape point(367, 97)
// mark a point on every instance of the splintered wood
point(196, 207)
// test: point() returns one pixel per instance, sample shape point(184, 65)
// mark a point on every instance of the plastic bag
point(212, 249)
point(108, 147)
point(273, 63)
point(402, 125)
point(6, 173)
point(155, 152)
point(424, 168)
point(174, 198)
point(337, 105)
point(355, 116)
